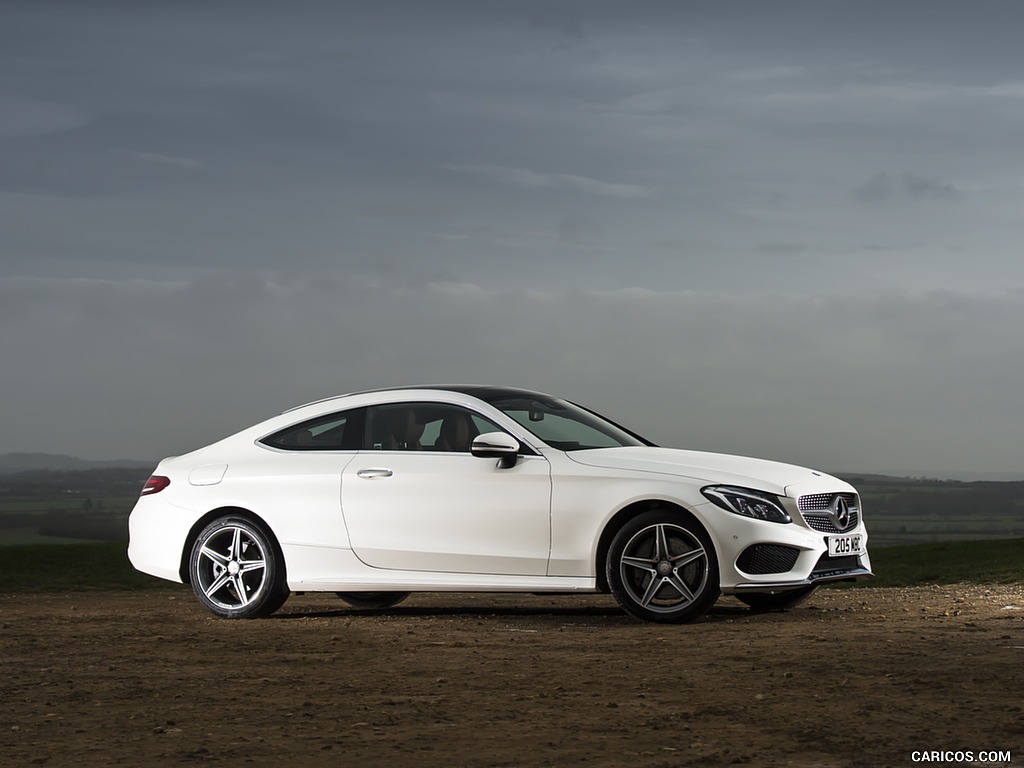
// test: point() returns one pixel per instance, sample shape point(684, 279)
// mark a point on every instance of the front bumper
point(759, 556)
point(856, 573)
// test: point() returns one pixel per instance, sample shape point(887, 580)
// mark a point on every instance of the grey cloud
point(783, 249)
point(156, 157)
point(157, 368)
point(531, 179)
point(35, 118)
point(884, 187)
point(559, 19)
point(577, 229)
point(542, 157)
point(776, 72)
point(924, 188)
point(415, 209)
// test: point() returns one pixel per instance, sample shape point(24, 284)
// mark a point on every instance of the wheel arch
point(214, 514)
point(626, 513)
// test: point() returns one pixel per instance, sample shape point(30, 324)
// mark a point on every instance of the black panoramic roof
point(484, 392)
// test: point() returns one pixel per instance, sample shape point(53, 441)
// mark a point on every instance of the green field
point(68, 503)
point(72, 568)
point(105, 566)
point(982, 562)
point(21, 537)
point(94, 505)
point(921, 531)
point(901, 511)
point(58, 506)
point(63, 507)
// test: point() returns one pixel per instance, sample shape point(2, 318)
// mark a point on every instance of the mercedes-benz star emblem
point(841, 512)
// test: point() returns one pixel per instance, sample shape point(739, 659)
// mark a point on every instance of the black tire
point(763, 601)
point(662, 566)
point(236, 569)
point(372, 600)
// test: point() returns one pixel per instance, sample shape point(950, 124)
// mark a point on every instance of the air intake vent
point(833, 566)
point(767, 558)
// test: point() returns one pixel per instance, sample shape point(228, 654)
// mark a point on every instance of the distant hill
point(12, 463)
point(924, 477)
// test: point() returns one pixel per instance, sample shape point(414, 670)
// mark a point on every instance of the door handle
point(370, 474)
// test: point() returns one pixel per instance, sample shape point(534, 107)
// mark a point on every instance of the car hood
point(719, 468)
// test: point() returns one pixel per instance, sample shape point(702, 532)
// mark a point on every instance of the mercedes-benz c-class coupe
point(374, 495)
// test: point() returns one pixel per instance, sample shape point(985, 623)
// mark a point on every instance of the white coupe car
point(486, 489)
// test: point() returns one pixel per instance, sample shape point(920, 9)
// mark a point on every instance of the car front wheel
point(662, 567)
point(235, 570)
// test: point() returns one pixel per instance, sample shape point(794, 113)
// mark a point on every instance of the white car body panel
point(449, 512)
point(452, 521)
point(701, 467)
point(348, 573)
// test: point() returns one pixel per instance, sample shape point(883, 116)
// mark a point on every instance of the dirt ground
point(860, 677)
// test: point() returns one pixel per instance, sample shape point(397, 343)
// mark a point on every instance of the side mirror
point(496, 445)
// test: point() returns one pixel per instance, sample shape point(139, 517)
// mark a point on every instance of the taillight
point(155, 484)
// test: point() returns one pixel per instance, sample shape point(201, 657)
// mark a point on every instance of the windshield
point(563, 425)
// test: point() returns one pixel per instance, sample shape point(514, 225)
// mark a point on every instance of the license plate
point(845, 545)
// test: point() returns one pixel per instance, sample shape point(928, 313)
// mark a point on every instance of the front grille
point(829, 566)
point(814, 501)
point(825, 524)
point(767, 558)
point(816, 509)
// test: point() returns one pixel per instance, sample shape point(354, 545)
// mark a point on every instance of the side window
point(424, 427)
point(335, 432)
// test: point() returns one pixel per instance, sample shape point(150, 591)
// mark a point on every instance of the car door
point(416, 499)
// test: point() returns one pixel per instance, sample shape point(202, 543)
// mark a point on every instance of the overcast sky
point(786, 229)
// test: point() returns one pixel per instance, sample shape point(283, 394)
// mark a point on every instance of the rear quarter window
point(334, 432)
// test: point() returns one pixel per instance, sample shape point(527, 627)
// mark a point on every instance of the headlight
point(746, 502)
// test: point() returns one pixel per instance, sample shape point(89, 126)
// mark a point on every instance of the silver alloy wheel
point(231, 567)
point(663, 568)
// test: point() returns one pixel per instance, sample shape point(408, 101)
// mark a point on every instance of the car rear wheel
point(662, 566)
point(372, 600)
point(236, 571)
point(762, 601)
